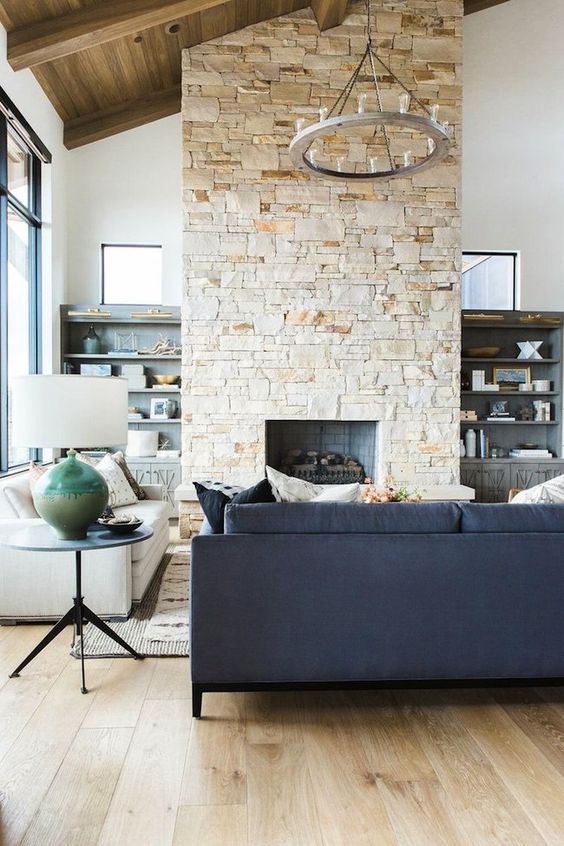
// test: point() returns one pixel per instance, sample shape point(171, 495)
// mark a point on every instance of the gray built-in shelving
point(148, 323)
point(492, 478)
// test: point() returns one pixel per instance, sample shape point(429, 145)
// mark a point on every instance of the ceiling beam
point(329, 13)
point(471, 6)
point(96, 24)
point(129, 115)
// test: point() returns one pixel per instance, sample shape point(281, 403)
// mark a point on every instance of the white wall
point(126, 189)
point(513, 162)
point(26, 93)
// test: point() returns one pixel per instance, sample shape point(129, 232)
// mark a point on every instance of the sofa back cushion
point(343, 518)
point(509, 517)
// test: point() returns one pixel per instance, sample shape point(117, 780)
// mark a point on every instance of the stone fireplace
point(307, 300)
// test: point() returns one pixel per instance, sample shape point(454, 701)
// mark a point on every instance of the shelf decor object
point(305, 150)
point(61, 412)
point(529, 350)
point(91, 343)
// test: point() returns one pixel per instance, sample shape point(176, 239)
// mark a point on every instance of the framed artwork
point(159, 409)
point(499, 408)
point(511, 377)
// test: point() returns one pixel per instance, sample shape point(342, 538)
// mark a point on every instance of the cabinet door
point(549, 470)
point(141, 472)
point(495, 482)
point(471, 475)
point(167, 474)
point(524, 475)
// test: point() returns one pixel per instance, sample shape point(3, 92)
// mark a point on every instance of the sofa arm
point(153, 491)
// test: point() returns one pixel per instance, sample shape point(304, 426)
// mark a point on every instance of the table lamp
point(69, 412)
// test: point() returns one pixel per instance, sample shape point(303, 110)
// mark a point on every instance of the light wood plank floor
point(127, 765)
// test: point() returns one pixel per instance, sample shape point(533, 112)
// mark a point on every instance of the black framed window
point(489, 281)
point(21, 157)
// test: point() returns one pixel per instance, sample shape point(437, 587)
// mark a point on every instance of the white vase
point(462, 448)
point(470, 443)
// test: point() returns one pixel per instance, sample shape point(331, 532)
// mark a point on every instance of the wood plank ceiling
point(111, 65)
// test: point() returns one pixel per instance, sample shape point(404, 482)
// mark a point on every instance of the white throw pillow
point(339, 493)
point(550, 491)
point(20, 500)
point(289, 488)
point(119, 488)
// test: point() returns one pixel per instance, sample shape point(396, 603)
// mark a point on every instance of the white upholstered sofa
point(40, 586)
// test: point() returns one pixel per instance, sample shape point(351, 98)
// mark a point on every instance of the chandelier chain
point(338, 106)
point(375, 75)
point(400, 83)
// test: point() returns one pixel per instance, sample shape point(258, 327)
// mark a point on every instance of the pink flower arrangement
point(390, 492)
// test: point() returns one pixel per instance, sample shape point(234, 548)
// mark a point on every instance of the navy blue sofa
point(354, 595)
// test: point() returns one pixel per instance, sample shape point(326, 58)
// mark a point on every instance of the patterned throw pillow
point(119, 457)
point(118, 486)
point(36, 471)
point(228, 490)
point(214, 501)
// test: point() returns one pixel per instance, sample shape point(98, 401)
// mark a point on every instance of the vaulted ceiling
point(111, 65)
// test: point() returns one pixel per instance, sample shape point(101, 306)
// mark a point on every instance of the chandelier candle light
point(334, 121)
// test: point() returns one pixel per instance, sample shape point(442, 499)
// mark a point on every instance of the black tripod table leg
point(96, 621)
point(51, 635)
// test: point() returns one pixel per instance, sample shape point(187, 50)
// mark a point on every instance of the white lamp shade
point(69, 411)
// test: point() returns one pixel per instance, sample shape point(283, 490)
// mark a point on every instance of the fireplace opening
point(326, 452)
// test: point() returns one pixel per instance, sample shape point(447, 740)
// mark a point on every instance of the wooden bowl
point(165, 379)
point(482, 352)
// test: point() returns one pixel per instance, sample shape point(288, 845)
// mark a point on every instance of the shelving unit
point(159, 321)
point(492, 478)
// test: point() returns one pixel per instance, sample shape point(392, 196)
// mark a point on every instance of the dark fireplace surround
point(323, 451)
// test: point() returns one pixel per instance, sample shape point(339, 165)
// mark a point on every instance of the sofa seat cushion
point(511, 518)
point(155, 514)
point(343, 518)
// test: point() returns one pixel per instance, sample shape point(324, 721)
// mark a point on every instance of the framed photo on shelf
point(499, 408)
point(159, 409)
point(509, 378)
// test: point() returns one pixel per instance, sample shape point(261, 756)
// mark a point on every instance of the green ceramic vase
point(70, 496)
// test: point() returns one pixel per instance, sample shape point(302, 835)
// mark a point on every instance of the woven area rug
point(159, 624)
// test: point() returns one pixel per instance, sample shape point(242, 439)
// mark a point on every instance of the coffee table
point(43, 539)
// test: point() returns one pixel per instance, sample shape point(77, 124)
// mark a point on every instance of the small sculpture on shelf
point(527, 413)
point(164, 346)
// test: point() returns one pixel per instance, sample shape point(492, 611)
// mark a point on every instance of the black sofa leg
point(197, 692)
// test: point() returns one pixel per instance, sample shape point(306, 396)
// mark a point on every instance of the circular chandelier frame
point(335, 121)
point(302, 142)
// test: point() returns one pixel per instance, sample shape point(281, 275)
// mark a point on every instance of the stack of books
point(530, 453)
point(135, 415)
point(501, 418)
point(482, 444)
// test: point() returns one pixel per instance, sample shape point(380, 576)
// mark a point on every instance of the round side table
point(43, 539)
